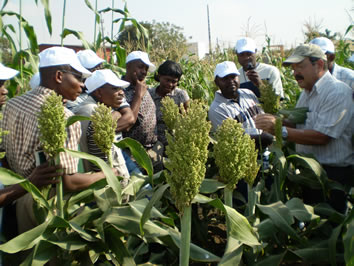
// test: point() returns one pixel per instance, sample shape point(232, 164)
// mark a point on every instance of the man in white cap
point(143, 106)
point(104, 87)
point(91, 61)
point(61, 71)
point(252, 73)
point(6, 73)
point(326, 133)
point(341, 73)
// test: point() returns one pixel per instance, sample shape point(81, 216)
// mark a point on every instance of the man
point(143, 106)
point(61, 71)
point(105, 87)
point(341, 73)
point(252, 73)
point(232, 102)
point(91, 61)
point(6, 73)
point(326, 133)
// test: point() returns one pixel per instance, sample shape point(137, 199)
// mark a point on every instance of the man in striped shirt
point(326, 133)
point(60, 71)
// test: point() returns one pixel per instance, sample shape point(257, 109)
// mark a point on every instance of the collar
point(318, 87)
point(220, 98)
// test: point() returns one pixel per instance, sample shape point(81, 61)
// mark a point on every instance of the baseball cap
point(35, 81)
point(89, 58)
point(303, 51)
point(139, 55)
point(324, 43)
point(245, 45)
point(55, 56)
point(101, 77)
point(225, 68)
point(7, 73)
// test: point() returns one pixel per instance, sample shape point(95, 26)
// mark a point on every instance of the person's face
point(245, 58)
point(306, 74)
point(71, 84)
point(3, 92)
point(167, 84)
point(110, 95)
point(228, 85)
point(139, 68)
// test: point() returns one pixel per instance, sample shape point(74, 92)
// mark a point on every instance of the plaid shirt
point(144, 130)
point(20, 145)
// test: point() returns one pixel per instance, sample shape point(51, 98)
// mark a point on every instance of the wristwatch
point(284, 133)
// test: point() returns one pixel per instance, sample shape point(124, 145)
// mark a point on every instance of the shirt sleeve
point(276, 82)
point(69, 163)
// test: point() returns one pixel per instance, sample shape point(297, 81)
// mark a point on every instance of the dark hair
point(169, 68)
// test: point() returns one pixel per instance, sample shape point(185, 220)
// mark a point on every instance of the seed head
point(270, 101)
point(235, 154)
point(51, 124)
point(187, 153)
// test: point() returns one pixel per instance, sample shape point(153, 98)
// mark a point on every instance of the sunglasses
point(78, 76)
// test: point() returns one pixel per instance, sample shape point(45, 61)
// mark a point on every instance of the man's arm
point(266, 122)
point(140, 90)
point(41, 176)
point(126, 120)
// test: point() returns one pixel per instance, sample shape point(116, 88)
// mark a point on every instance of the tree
point(166, 41)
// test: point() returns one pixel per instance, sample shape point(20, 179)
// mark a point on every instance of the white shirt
point(344, 74)
point(265, 72)
point(330, 111)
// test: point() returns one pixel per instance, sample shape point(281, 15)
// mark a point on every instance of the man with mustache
point(252, 73)
point(326, 133)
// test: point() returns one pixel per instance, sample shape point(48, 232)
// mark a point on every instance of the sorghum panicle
point(270, 101)
point(51, 124)
point(187, 153)
point(104, 127)
point(235, 154)
point(170, 112)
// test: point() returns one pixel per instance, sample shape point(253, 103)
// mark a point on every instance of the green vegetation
point(273, 228)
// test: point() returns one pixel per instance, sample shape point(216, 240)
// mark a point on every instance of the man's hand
point(254, 77)
point(140, 87)
point(265, 122)
point(45, 175)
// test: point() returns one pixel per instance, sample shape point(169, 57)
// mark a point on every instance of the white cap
point(55, 56)
point(101, 77)
point(89, 58)
point(325, 44)
point(225, 68)
point(139, 55)
point(7, 73)
point(35, 81)
point(245, 45)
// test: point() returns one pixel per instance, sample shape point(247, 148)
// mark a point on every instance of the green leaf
point(281, 217)
point(272, 260)
point(298, 210)
point(134, 185)
point(111, 178)
point(313, 254)
point(332, 244)
point(7, 177)
point(41, 254)
point(266, 229)
point(348, 241)
point(77, 34)
point(237, 225)
point(147, 211)
point(73, 119)
point(138, 152)
point(25, 241)
point(209, 186)
point(47, 14)
point(295, 115)
point(113, 240)
point(233, 253)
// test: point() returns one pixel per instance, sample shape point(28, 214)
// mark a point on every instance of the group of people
point(83, 82)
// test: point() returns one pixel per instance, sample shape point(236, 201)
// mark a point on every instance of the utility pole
point(209, 30)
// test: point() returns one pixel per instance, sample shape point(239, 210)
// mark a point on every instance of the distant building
point(199, 49)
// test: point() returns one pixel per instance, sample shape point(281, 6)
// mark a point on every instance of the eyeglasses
point(78, 76)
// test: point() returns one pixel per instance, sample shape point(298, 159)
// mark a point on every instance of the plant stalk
point(59, 191)
point(185, 236)
point(63, 24)
point(94, 29)
point(228, 196)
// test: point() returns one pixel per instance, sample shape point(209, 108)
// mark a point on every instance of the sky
point(282, 20)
